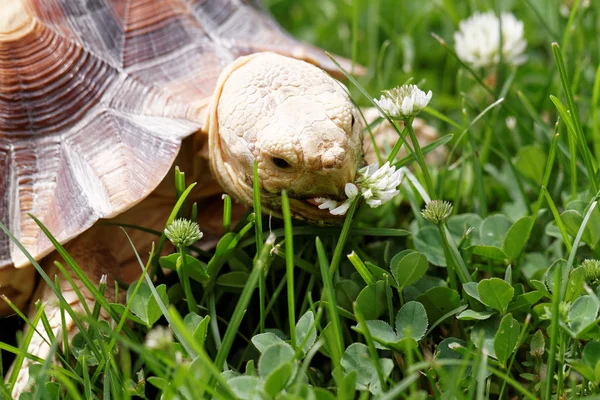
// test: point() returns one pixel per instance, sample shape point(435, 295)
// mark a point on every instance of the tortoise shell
point(96, 96)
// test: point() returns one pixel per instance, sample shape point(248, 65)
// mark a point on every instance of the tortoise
point(96, 99)
point(97, 96)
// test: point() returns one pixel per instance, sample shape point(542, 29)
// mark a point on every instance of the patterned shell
point(96, 96)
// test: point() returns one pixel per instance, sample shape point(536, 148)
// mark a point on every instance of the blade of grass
point(426, 150)
point(399, 388)
point(585, 151)
point(361, 268)
point(240, 309)
point(339, 247)
point(482, 204)
point(434, 113)
point(17, 364)
point(547, 172)
point(571, 134)
point(258, 237)
point(73, 285)
point(558, 220)
point(569, 28)
point(226, 212)
point(329, 294)
point(179, 189)
point(594, 111)
point(554, 335)
point(289, 265)
point(567, 268)
point(257, 210)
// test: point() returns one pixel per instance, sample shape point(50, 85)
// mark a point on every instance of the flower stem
point(339, 248)
point(453, 257)
point(420, 158)
point(392, 156)
point(185, 281)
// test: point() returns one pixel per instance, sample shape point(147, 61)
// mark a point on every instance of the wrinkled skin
point(296, 121)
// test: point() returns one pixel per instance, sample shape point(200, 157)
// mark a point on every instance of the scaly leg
point(95, 259)
point(105, 250)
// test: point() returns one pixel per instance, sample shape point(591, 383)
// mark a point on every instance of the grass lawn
point(495, 297)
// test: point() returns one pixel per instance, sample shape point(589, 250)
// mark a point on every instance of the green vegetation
point(494, 300)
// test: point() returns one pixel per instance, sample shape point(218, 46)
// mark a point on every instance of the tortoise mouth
point(304, 208)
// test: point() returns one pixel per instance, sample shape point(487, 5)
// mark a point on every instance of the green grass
point(491, 304)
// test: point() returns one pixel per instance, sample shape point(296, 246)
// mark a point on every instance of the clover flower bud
point(437, 211)
point(592, 271)
point(183, 232)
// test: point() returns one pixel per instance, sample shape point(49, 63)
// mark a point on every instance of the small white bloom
point(403, 101)
point(478, 40)
point(334, 207)
point(325, 203)
point(160, 337)
point(342, 209)
point(351, 192)
point(379, 185)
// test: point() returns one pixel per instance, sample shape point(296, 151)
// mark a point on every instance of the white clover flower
point(160, 337)
point(379, 185)
point(403, 101)
point(376, 185)
point(183, 232)
point(478, 40)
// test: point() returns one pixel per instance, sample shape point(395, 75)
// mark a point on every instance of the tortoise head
point(296, 121)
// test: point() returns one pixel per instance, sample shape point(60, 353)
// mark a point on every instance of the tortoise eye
point(281, 163)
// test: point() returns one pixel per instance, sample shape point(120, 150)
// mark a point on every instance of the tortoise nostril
point(281, 163)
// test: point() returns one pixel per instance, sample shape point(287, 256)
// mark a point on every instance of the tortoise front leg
point(95, 259)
